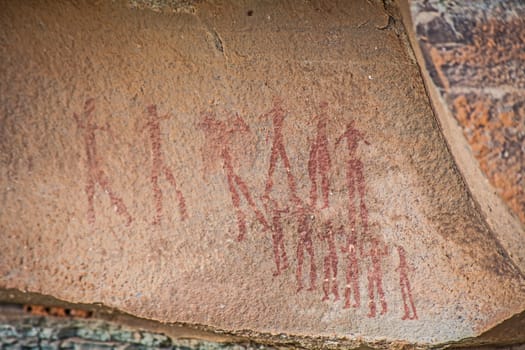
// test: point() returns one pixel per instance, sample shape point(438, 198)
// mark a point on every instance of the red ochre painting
point(342, 266)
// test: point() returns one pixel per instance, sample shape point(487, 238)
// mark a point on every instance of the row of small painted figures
point(220, 134)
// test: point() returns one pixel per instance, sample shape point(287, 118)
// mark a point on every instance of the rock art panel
point(278, 182)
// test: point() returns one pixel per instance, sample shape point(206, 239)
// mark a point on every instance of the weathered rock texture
point(19, 330)
point(276, 169)
point(472, 54)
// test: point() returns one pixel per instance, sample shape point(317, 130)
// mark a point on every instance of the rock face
point(276, 169)
point(472, 55)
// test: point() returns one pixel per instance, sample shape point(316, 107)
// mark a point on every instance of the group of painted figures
point(360, 243)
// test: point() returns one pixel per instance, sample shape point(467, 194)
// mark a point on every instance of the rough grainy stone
point(70, 333)
point(472, 54)
point(179, 6)
point(255, 169)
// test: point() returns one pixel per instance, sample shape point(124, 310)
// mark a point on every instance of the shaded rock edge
point(504, 224)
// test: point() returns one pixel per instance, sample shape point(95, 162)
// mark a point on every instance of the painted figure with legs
point(305, 244)
point(404, 284)
point(375, 276)
point(352, 269)
point(159, 167)
point(219, 135)
point(279, 251)
point(356, 194)
point(330, 263)
point(95, 173)
point(278, 151)
point(355, 181)
point(319, 162)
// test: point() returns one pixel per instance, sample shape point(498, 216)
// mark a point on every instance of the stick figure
point(279, 251)
point(95, 174)
point(159, 167)
point(404, 284)
point(305, 244)
point(319, 162)
point(330, 263)
point(278, 150)
point(220, 134)
point(352, 270)
point(375, 276)
point(355, 179)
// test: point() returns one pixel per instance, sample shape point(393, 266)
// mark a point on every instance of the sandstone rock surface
point(472, 56)
point(276, 169)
